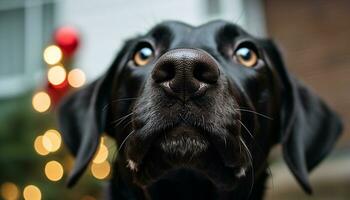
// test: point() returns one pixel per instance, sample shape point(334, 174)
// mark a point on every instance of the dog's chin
point(181, 148)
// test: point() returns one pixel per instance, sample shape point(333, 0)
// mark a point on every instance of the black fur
point(180, 142)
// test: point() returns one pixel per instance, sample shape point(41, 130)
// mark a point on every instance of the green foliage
point(20, 164)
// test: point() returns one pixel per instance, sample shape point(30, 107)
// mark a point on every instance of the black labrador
point(195, 112)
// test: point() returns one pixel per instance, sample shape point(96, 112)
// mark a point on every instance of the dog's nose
point(185, 72)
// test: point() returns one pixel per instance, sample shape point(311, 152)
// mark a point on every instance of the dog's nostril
point(164, 71)
point(206, 72)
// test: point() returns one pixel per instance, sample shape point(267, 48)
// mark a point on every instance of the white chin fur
point(241, 173)
point(132, 165)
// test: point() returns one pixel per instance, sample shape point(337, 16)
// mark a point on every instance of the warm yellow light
point(101, 155)
point(41, 101)
point(54, 171)
point(56, 75)
point(103, 139)
point(100, 171)
point(31, 192)
point(76, 78)
point(9, 191)
point(52, 54)
point(39, 147)
point(52, 140)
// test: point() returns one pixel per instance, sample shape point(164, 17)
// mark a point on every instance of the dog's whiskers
point(254, 112)
point(130, 121)
point(258, 146)
point(250, 163)
point(236, 21)
point(116, 153)
point(124, 141)
point(123, 99)
point(121, 119)
point(117, 100)
point(250, 134)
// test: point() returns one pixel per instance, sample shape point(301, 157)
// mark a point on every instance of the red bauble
point(56, 92)
point(67, 38)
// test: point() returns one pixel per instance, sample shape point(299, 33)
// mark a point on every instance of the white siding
point(105, 24)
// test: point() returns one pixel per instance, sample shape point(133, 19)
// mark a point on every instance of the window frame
point(34, 42)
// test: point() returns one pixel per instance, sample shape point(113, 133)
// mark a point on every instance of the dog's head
point(212, 99)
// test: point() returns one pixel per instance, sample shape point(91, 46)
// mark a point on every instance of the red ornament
point(56, 92)
point(67, 38)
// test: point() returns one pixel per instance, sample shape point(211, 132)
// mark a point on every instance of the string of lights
point(60, 79)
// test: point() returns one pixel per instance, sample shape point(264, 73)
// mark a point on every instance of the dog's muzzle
point(176, 121)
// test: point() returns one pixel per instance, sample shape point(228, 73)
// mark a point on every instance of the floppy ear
point(82, 117)
point(309, 128)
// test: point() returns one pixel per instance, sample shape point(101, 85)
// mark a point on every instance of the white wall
point(105, 24)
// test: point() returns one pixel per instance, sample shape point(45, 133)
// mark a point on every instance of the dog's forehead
point(185, 35)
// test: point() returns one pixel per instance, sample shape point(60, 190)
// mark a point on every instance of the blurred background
point(51, 47)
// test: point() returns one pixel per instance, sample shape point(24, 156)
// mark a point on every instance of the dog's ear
point(309, 128)
point(82, 116)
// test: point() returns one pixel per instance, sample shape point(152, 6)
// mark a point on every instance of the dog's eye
point(246, 56)
point(143, 56)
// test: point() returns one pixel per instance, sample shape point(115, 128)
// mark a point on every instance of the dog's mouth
point(181, 146)
point(187, 147)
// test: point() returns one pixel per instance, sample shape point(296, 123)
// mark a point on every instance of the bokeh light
point(76, 78)
point(54, 171)
point(9, 191)
point(67, 38)
point(52, 140)
point(39, 147)
point(101, 170)
point(52, 54)
point(31, 192)
point(101, 155)
point(56, 75)
point(41, 101)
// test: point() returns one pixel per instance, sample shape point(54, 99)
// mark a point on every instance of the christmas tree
point(35, 162)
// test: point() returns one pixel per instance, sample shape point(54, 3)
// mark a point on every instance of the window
point(25, 27)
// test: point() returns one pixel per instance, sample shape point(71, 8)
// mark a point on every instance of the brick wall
point(315, 40)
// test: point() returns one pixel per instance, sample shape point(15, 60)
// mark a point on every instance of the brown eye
point(143, 56)
point(246, 57)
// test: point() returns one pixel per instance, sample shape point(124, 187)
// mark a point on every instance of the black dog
point(195, 111)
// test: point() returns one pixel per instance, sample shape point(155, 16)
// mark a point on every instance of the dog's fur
point(182, 145)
